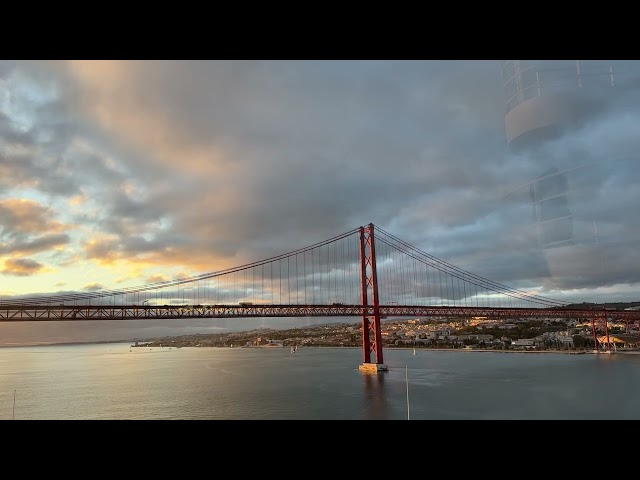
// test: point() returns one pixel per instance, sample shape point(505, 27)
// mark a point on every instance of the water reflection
point(376, 405)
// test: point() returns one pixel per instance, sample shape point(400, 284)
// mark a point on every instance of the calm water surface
point(114, 382)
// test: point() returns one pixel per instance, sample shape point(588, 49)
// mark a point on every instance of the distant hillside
point(615, 306)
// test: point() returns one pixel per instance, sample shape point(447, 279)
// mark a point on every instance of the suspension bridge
point(366, 272)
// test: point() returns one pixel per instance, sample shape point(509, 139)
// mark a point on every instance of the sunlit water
point(114, 381)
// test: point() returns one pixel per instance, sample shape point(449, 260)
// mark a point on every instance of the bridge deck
point(131, 312)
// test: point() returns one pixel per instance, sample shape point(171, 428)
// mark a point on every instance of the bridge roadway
point(30, 313)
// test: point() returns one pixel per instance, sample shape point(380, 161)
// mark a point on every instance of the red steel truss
point(16, 312)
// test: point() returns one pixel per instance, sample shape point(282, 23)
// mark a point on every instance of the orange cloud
point(156, 279)
point(28, 216)
point(104, 250)
point(116, 98)
point(77, 200)
point(21, 267)
point(92, 287)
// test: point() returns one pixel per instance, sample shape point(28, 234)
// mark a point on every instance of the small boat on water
point(414, 351)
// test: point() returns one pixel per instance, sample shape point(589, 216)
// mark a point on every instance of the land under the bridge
point(565, 336)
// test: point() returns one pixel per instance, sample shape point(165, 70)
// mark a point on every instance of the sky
point(121, 173)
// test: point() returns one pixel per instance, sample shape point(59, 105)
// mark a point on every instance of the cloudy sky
point(120, 173)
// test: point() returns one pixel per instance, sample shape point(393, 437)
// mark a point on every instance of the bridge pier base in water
point(373, 367)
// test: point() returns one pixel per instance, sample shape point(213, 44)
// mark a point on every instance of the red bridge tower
point(371, 333)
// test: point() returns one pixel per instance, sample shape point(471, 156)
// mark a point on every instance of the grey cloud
point(23, 171)
point(136, 244)
point(13, 136)
point(313, 149)
point(38, 244)
point(42, 145)
point(125, 207)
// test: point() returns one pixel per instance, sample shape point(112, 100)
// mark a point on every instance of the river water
point(116, 382)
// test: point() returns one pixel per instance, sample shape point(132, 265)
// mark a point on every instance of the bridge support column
point(371, 332)
point(606, 344)
point(595, 336)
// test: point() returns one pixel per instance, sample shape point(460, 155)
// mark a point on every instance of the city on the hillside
point(439, 333)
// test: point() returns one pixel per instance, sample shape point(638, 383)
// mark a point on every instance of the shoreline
point(418, 350)
point(476, 350)
point(467, 350)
